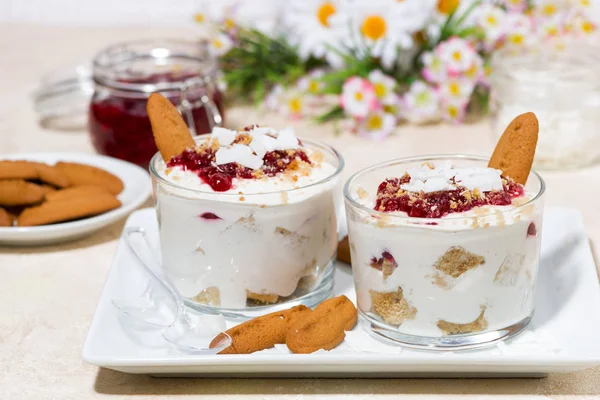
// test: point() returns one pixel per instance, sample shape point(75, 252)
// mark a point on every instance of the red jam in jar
point(126, 74)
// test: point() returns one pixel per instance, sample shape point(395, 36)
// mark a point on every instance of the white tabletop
point(48, 294)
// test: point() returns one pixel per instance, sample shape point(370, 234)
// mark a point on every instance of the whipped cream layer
point(190, 180)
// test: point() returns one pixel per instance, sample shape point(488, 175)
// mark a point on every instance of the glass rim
point(197, 138)
point(198, 52)
point(349, 199)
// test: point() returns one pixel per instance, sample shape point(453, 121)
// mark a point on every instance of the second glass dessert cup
point(462, 281)
point(244, 255)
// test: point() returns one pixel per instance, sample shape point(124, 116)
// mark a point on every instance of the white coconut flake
point(270, 143)
point(258, 146)
point(287, 139)
point(260, 130)
point(441, 177)
point(437, 185)
point(224, 136)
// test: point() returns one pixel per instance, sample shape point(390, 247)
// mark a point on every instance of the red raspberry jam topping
point(220, 177)
point(390, 198)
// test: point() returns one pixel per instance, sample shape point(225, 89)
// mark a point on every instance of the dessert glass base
point(309, 298)
point(384, 332)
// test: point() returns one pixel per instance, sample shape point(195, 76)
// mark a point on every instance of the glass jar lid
point(64, 93)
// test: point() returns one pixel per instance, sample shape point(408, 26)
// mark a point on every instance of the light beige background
point(48, 294)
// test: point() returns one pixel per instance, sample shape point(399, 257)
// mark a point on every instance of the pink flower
point(358, 97)
point(454, 111)
point(434, 70)
point(456, 54)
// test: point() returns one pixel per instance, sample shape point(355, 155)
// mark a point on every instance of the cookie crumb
point(478, 325)
point(456, 261)
point(362, 193)
point(392, 306)
point(264, 298)
point(209, 296)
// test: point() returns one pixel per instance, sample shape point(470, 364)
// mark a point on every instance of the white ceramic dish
point(561, 338)
point(137, 189)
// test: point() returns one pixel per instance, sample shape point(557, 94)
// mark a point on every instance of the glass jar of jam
point(126, 74)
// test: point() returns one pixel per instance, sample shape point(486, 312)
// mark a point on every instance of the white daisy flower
point(358, 97)
point(317, 27)
point(311, 83)
point(219, 44)
point(377, 125)
point(476, 72)
point(456, 54)
point(421, 103)
point(380, 27)
point(583, 26)
point(550, 27)
point(384, 86)
point(434, 69)
point(492, 20)
point(549, 8)
point(519, 30)
point(456, 90)
point(394, 106)
point(453, 112)
point(518, 37)
point(293, 104)
point(263, 15)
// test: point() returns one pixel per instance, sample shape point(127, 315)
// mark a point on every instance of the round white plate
point(137, 189)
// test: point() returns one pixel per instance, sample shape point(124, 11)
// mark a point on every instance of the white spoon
point(189, 333)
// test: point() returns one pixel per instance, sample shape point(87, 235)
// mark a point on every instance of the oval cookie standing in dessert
point(171, 134)
point(515, 149)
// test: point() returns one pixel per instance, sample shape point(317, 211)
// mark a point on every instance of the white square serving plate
point(563, 335)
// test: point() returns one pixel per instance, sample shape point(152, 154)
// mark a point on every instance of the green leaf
point(257, 63)
point(334, 113)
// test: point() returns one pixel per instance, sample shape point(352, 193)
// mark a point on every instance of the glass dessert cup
point(463, 281)
point(244, 255)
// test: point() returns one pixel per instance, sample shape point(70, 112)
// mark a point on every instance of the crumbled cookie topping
point(392, 197)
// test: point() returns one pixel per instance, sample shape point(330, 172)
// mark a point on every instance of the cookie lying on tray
point(34, 193)
point(303, 330)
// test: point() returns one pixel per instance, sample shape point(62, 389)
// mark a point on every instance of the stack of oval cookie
point(303, 330)
point(33, 193)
